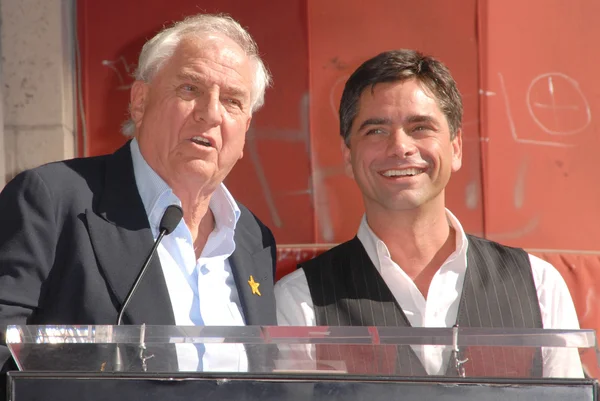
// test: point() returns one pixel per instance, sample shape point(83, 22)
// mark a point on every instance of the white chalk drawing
point(590, 302)
point(124, 72)
point(252, 149)
point(527, 228)
point(549, 81)
point(520, 185)
point(301, 135)
point(544, 83)
point(472, 194)
point(486, 93)
point(316, 183)
point(513, 128)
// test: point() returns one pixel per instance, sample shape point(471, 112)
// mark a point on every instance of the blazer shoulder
point(60, 175)
point(250, 225)
point(247, 218)
point(67, 185)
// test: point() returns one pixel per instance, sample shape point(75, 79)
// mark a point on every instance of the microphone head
point(172, 216)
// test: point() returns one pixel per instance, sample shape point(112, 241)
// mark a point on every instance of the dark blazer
point(73, 237)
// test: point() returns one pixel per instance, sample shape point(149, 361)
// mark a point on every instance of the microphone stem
point(171, 218)
point(139, 277)
point(118, 359)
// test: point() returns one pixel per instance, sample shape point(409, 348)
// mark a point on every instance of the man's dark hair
point(398, 66)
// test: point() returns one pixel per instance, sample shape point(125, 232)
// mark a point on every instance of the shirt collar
point(157, 195)
point(376, 248)
point(224, 208)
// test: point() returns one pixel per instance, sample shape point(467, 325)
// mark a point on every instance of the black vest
point(498, 292)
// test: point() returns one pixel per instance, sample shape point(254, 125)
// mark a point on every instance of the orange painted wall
point(273, 177)
point(540, 74)
point(527, 71)
point(343, 34)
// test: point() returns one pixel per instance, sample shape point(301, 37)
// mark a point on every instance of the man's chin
point(404, 203)
point(193, 174)
point(198, 168)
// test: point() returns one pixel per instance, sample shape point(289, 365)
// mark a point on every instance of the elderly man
point(411, 263)
point(75, 233)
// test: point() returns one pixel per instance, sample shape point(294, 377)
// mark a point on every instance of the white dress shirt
point(440, 308)
point(202, 291)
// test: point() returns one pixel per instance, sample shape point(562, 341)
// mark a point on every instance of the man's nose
point(208, 109)
point(401, 145)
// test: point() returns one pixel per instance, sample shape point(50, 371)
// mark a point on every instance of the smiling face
point(191, 119)
point(400, 150)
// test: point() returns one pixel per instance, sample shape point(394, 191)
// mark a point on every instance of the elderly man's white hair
point(161, 47)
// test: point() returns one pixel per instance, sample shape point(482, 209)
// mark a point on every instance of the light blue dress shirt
point(202, 291)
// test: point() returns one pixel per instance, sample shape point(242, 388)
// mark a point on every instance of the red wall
point(273, 177)
point(343, 34)
point(526, 71)
point(540, 69)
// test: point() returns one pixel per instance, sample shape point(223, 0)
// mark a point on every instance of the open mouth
point(405, 172)
point(201, 141)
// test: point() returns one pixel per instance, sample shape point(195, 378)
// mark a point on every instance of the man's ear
point(137, 101)
point(347, 156)
point(457, 151)
point(245, 133)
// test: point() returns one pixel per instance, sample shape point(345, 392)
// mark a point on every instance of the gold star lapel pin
point(254, 285)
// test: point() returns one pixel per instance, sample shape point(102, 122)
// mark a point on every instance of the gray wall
point(37, 71)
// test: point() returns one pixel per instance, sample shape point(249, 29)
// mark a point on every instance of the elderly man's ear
point(137, 101)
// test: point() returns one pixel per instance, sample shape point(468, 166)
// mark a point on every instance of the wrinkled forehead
point(212, 53)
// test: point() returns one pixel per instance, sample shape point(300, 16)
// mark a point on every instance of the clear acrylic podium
point(300, 363)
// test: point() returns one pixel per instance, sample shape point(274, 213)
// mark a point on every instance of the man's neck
point(198, 217)
point(419, 241)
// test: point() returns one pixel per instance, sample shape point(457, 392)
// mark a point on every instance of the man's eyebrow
point(375, 121)
point(421, 118)
point(231, 90)
point(188, 76)
point(235, 91)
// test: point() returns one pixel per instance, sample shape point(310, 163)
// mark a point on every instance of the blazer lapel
point(252, 265)
point(121, 238)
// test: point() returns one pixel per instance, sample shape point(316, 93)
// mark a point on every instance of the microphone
point(170, 219)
